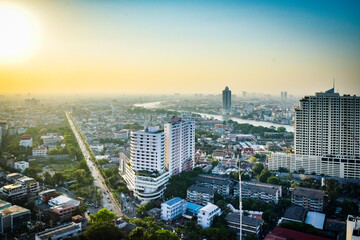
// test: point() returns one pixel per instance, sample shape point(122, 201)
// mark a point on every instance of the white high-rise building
point(326, 140)
point(145, 172)
point(179, 145)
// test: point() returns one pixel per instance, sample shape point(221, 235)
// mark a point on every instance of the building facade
point(207, 214)
point(226, 100)
point(39, 152)
point(250, 225)
point(145, 172)
point(328, 125)
point(21, 165)
point(263, 191)
point(179, 145)
point(310, 199)
point(200, 195)
point(173, 208)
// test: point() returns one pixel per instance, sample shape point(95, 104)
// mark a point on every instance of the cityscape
point(157, 120)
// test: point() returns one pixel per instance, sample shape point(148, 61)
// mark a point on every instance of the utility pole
point(240, 202)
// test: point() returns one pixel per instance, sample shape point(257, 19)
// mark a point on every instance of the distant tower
point(282, 95)
point(226, 100)
point(285, 95)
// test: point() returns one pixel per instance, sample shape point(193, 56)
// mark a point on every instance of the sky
point(164, 47)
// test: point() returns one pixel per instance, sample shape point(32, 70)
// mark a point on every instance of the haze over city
point(152, 47)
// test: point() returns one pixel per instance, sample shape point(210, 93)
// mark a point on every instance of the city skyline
point(180, 47)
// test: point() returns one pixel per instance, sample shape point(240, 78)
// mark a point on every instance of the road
point(108, 200)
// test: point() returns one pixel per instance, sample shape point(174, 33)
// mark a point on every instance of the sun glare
point(18, 33)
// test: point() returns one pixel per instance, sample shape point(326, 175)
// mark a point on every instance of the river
point(288, 128)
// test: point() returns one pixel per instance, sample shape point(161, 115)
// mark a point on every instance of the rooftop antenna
point(334, 84)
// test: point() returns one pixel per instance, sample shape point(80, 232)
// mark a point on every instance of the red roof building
point(280, 233)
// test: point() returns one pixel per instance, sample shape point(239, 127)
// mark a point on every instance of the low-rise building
point(31, 184)
point(294, 214)
point(21, 165)
point(60, 232)
point(222, 185)
point(51, 140)
point(14, 192)
point(39, 152)
point(63, 200)
point(310, 199)
point(250, 225)
point(263, 191)
point(315, 219)
point(200, 195)
point(61, 213)
point(225, 156)
point(46, 195)
point(207, 214)
point(26, 141)
point(13, 218)
point(173, 208)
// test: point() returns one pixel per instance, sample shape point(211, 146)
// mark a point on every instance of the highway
point(107, 200)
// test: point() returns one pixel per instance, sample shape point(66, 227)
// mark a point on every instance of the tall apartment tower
point(326, 138)
point(179, 145)
point(226, 100)
point(328, 124)
point(327, 131)
point(145, 172)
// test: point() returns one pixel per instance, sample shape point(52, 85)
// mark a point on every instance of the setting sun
point(18, 33)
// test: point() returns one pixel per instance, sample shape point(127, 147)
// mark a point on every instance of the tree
point(214, 162)
point(349, 207)
point(294, 185)
point(273, 180)
point(137, 234)
point(58, 178)
point(332, 189)
point(47, 178)
point(253, 159)
point(103, 215)
point(301, 170)
point(80, 175)
point(163, 234)
point(268, 216)
point(258, 168)
point(264, 175)
point(284, 203)
point(103, 231)
point(281, 129)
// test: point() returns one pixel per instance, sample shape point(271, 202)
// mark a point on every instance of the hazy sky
point(188, 47)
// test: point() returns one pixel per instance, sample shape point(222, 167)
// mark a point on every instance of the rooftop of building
point(201, 189)
point(280, 233)
point(62, 200)
point(213, 179)
point(21, 162)
point(12, 186)
point(26, 137)
point(13, 210)
point(260, 187)
point(48, 191)
point(193, 207)
point(295, 213)
point(233, 217)
point(308, 192)
point(316, 219)
point(47, 234)
point(14, 175)
point(173, 201)
point(39, 148)
point(4, 204)
point(209, 208)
